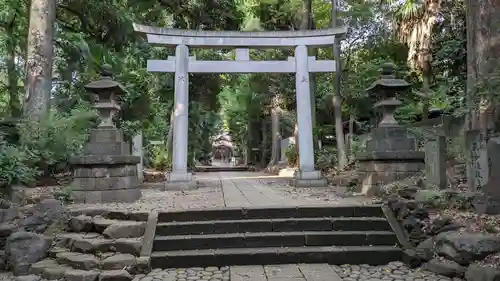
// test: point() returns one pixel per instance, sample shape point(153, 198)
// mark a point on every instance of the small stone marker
point(435, 162)
point(138, 150)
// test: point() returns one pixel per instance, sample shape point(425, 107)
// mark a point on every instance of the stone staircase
point(280, 235)
point(102, 247)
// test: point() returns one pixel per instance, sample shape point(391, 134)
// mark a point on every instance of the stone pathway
point(230, 189)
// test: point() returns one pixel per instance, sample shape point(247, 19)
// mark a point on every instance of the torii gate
point(182, 64)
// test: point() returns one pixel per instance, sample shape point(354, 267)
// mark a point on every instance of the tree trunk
point(12, 74)
point(337, 100)
point(424, 56)
point(39, 57)
point(485, 20)
point(263, 148)
point(275, 129)
point(248, 144)
point(352, 118)
point(472, 20)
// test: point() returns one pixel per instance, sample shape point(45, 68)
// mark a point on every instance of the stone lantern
point(391, 153)
point(106, 172)
point(108, 92)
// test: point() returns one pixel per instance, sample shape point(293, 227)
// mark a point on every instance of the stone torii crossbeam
point(301, 64)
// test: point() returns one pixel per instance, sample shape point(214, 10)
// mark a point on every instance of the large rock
point(476, 272)
point(77, 260)
point(81, 275)
point(28, 278)
point(445, 268)
point(24, 249)
point(115, 275)
point(90, 245)
point(55, 273)
point(100, 223)
point(425, 250)
point(81, 223)
point(125, 229)
point(119, 261)
point(44, 214)
point(465, 248)
point(38, 267)
point(127, 246)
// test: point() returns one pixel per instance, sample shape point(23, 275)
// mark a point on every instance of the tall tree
point(483, 60)
point(337, 99)
point(415, 22)
point(39, 57)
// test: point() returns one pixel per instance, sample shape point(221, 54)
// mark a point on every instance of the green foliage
point(91, 33)
point(13, 166)
point(161, 159)
point(291, 155)
point(54, 141)
point(326, 158)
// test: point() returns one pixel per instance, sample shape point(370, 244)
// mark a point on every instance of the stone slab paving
point(260, 189)
point(231, 189)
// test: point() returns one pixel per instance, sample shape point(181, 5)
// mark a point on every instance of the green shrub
point(291, 155)
point(162, 160)
point(51, 143)
point(13, 167)
point(326, 158)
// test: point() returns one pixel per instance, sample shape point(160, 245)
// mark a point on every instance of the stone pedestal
point(309, 179)
point(391, 157)
point(106, 172)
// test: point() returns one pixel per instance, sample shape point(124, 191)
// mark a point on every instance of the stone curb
point(397, 228)
point(149, 235)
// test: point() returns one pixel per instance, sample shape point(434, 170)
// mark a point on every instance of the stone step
point(101, 261)
point(102, 245)
point(273, 225)
point(272, 212)
point(274, 239)
point(51, 270)
point(373, 255)
point(214, 169)
point(96, 243)
point(110, 227)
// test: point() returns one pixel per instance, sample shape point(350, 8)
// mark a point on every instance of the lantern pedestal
point(106, 172)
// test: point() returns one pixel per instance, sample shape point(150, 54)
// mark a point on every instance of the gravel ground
point(395, 271)
point(324, 194)
point(152, 199)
